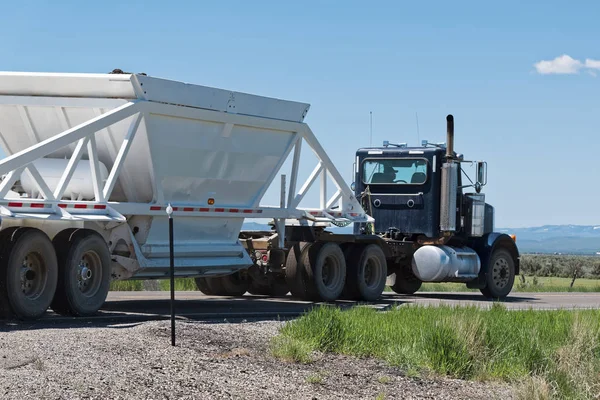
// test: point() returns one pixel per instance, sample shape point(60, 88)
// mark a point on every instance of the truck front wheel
point(500, 275)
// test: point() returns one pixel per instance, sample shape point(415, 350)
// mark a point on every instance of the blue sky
point(538, 132)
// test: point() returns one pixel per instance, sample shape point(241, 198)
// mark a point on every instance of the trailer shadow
point(119, 314)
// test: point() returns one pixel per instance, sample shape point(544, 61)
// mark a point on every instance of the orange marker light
point(513, 237)
point(211, 201)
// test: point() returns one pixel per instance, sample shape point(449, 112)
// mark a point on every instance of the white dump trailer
point(93, 160)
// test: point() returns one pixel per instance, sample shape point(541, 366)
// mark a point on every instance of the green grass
point(555, 351)
point(161, 284)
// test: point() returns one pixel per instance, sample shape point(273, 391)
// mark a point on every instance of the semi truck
point(94, 161)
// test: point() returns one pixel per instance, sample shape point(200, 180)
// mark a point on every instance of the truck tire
point(325, 268)
point(84, 275)
point(366, 273)
point(406, 283)
point(500, 276)
point(295, 274)
point(28, 276)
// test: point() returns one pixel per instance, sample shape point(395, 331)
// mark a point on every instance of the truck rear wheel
point(406, 283)
point(500, 275)
point(28, 276)
point(367, 272)
point(84, 275)
point(325, 268)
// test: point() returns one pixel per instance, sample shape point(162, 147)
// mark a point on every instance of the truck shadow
point(463, 297)
point(119, 314)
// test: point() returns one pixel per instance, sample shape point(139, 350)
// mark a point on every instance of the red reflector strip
point(219, 210)
point(188, 209)
point(248, 211)
point(155, 208)
point(62, 205)
point(234, 210)
point(80, 206)
point(204, 209)
point(37, 205)
point(15, 204)
point(99, 207)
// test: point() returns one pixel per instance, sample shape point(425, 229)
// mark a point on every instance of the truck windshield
point(398, 171)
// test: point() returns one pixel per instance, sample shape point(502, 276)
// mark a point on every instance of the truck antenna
point(371, 128)
point(418, 133)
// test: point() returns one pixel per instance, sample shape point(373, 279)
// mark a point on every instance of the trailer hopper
point(144, 143)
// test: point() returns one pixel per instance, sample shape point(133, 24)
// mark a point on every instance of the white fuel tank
point(445, 263)
point(51, 169)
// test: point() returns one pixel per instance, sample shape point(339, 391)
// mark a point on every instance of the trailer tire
point(406, 283)
point(84, 275)
point(366, 273)
point(203, 285)
point(28, 275)
point(231, 285)
point(325, 268)
point(278, 287)
point(500, 276)
point(295, 274)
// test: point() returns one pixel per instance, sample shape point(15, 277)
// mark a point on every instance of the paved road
point(195, 305)
point(122, 307)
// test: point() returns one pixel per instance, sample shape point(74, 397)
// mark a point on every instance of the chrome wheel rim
point(500, 272)
point(33, 276)
point(89, 273)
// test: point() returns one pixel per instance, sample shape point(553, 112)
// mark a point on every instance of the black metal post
point(172, 270)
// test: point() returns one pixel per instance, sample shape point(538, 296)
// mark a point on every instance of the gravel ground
point(210, 361)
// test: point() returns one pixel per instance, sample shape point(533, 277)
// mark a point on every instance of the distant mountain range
point(549, 239)
point(567, 239)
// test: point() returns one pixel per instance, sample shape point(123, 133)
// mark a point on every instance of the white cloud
point(560, 65)
point(592, 64)
point(567, 65)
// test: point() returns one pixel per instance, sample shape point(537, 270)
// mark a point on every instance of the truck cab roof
point(399, 151)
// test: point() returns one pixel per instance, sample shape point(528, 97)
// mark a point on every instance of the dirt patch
point(210, 361)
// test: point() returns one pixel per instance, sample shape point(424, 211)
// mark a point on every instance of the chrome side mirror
point(481, 172)
point(353, 186)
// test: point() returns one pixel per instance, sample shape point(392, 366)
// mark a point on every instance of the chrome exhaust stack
point(449, 185)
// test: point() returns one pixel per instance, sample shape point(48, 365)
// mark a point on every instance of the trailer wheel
point(367, 272)
point(406, 283)
point(325, 268)
point(295, 274)
point(230, 285)
point(500, 276)
point(28, 276)
point(277, 288)
point(203, 285)
point(84, 275)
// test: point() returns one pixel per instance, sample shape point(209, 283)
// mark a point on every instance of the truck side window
point(396, 171)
